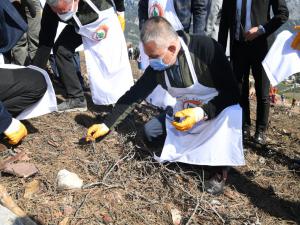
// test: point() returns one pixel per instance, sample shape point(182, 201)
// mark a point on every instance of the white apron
point(46, 104)
point(159, 96)
point(282, 60)
point(216, 142)
point(106, 56)
point(1, 59)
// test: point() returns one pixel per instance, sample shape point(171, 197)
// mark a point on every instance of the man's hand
point(96, 131)
point(252, 34)
point(121, 17)
point(296, 42)
point(15, 132)
point(191, 117)
point(31, 7)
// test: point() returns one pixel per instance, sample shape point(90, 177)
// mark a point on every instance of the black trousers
point(246, 56)
point(20, 88)
point(64, 49)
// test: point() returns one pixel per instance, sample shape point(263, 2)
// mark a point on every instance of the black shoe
point(72, 105)
point(246, 132)
point(214, 186)
point(259, 137)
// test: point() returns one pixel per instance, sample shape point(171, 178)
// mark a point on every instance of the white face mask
point(68, 15)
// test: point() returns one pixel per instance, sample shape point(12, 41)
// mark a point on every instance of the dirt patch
point(128, 187)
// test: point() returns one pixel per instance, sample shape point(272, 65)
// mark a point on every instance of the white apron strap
point(190, 64)
point(1, 59)
point(90, 3)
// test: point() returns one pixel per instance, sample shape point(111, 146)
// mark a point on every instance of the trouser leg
point(262, 84)
point(34, 27)
point(64, 50)
point(21, 88)
point(20, 50)
point(241, 69)
point(155, 130)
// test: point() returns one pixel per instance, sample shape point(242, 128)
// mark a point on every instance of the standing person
point(282, 99)
point(250, 24)
point(214, 8)
point(24, 51)
point(179, 13)
point(10, 32)
point(195, 71)
point(95, 24)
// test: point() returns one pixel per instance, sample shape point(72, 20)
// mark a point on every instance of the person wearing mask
point(95, 24)
point(194, 70)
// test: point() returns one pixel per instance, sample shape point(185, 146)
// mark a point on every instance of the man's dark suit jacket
point(260, 15)
point(12, 26)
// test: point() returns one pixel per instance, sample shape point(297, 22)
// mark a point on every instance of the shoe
point(246, 131)
point(214, 186)
point(73, 105)
point(259, 137)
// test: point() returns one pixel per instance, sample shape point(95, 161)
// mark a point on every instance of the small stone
point(21, 169)
point(262, 160)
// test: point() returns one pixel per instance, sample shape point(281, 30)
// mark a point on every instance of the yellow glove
point(191, 117)
point(96, 130)
point(296, 42)
point(121, 17)
point(15, 132)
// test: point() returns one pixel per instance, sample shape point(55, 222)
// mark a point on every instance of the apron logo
point(156, 10)
point(191, 104)
point(100, 33)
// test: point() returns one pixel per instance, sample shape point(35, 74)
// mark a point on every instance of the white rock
point(68, 180)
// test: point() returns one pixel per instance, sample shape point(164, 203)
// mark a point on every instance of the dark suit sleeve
point(223, 80)
point(224, 24)
point(47, 35)
point(5, 118)
point(138, 92)
point(119, 5)
point(142, 12)
point(199, 10)
point(281, 15)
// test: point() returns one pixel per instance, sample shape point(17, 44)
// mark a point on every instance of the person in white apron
point(21, 90)
point(170, 9)
point(205, 125)
point(95, 24)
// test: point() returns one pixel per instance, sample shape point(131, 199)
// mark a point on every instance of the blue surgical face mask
point(158, 64)
point(68, 15)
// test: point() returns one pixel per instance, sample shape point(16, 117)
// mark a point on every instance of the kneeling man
point(204, 126)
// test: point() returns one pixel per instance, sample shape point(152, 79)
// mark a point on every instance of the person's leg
point(34, 26)
point(21, 88)
point(20, 50)
point(155, 130)
point(241, 68)
point(64, 50)
point(262, 86)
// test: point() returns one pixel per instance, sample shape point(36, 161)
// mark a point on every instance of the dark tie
point(243, 19)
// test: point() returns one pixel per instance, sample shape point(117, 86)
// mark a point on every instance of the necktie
point(243, 19)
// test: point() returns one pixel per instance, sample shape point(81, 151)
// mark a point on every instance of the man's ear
point(172, 48)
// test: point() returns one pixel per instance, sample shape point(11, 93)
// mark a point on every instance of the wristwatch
point(261, 29)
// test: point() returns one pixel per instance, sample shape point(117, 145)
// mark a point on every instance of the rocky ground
point(125, 185)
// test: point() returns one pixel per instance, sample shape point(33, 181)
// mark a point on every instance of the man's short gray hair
point(159, 30)
point(55, 2)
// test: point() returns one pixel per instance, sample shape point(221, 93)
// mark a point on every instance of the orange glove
point(96, 131)
point(121, 17)
point(15, 132)
point(296, 42)
point(191, 117)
